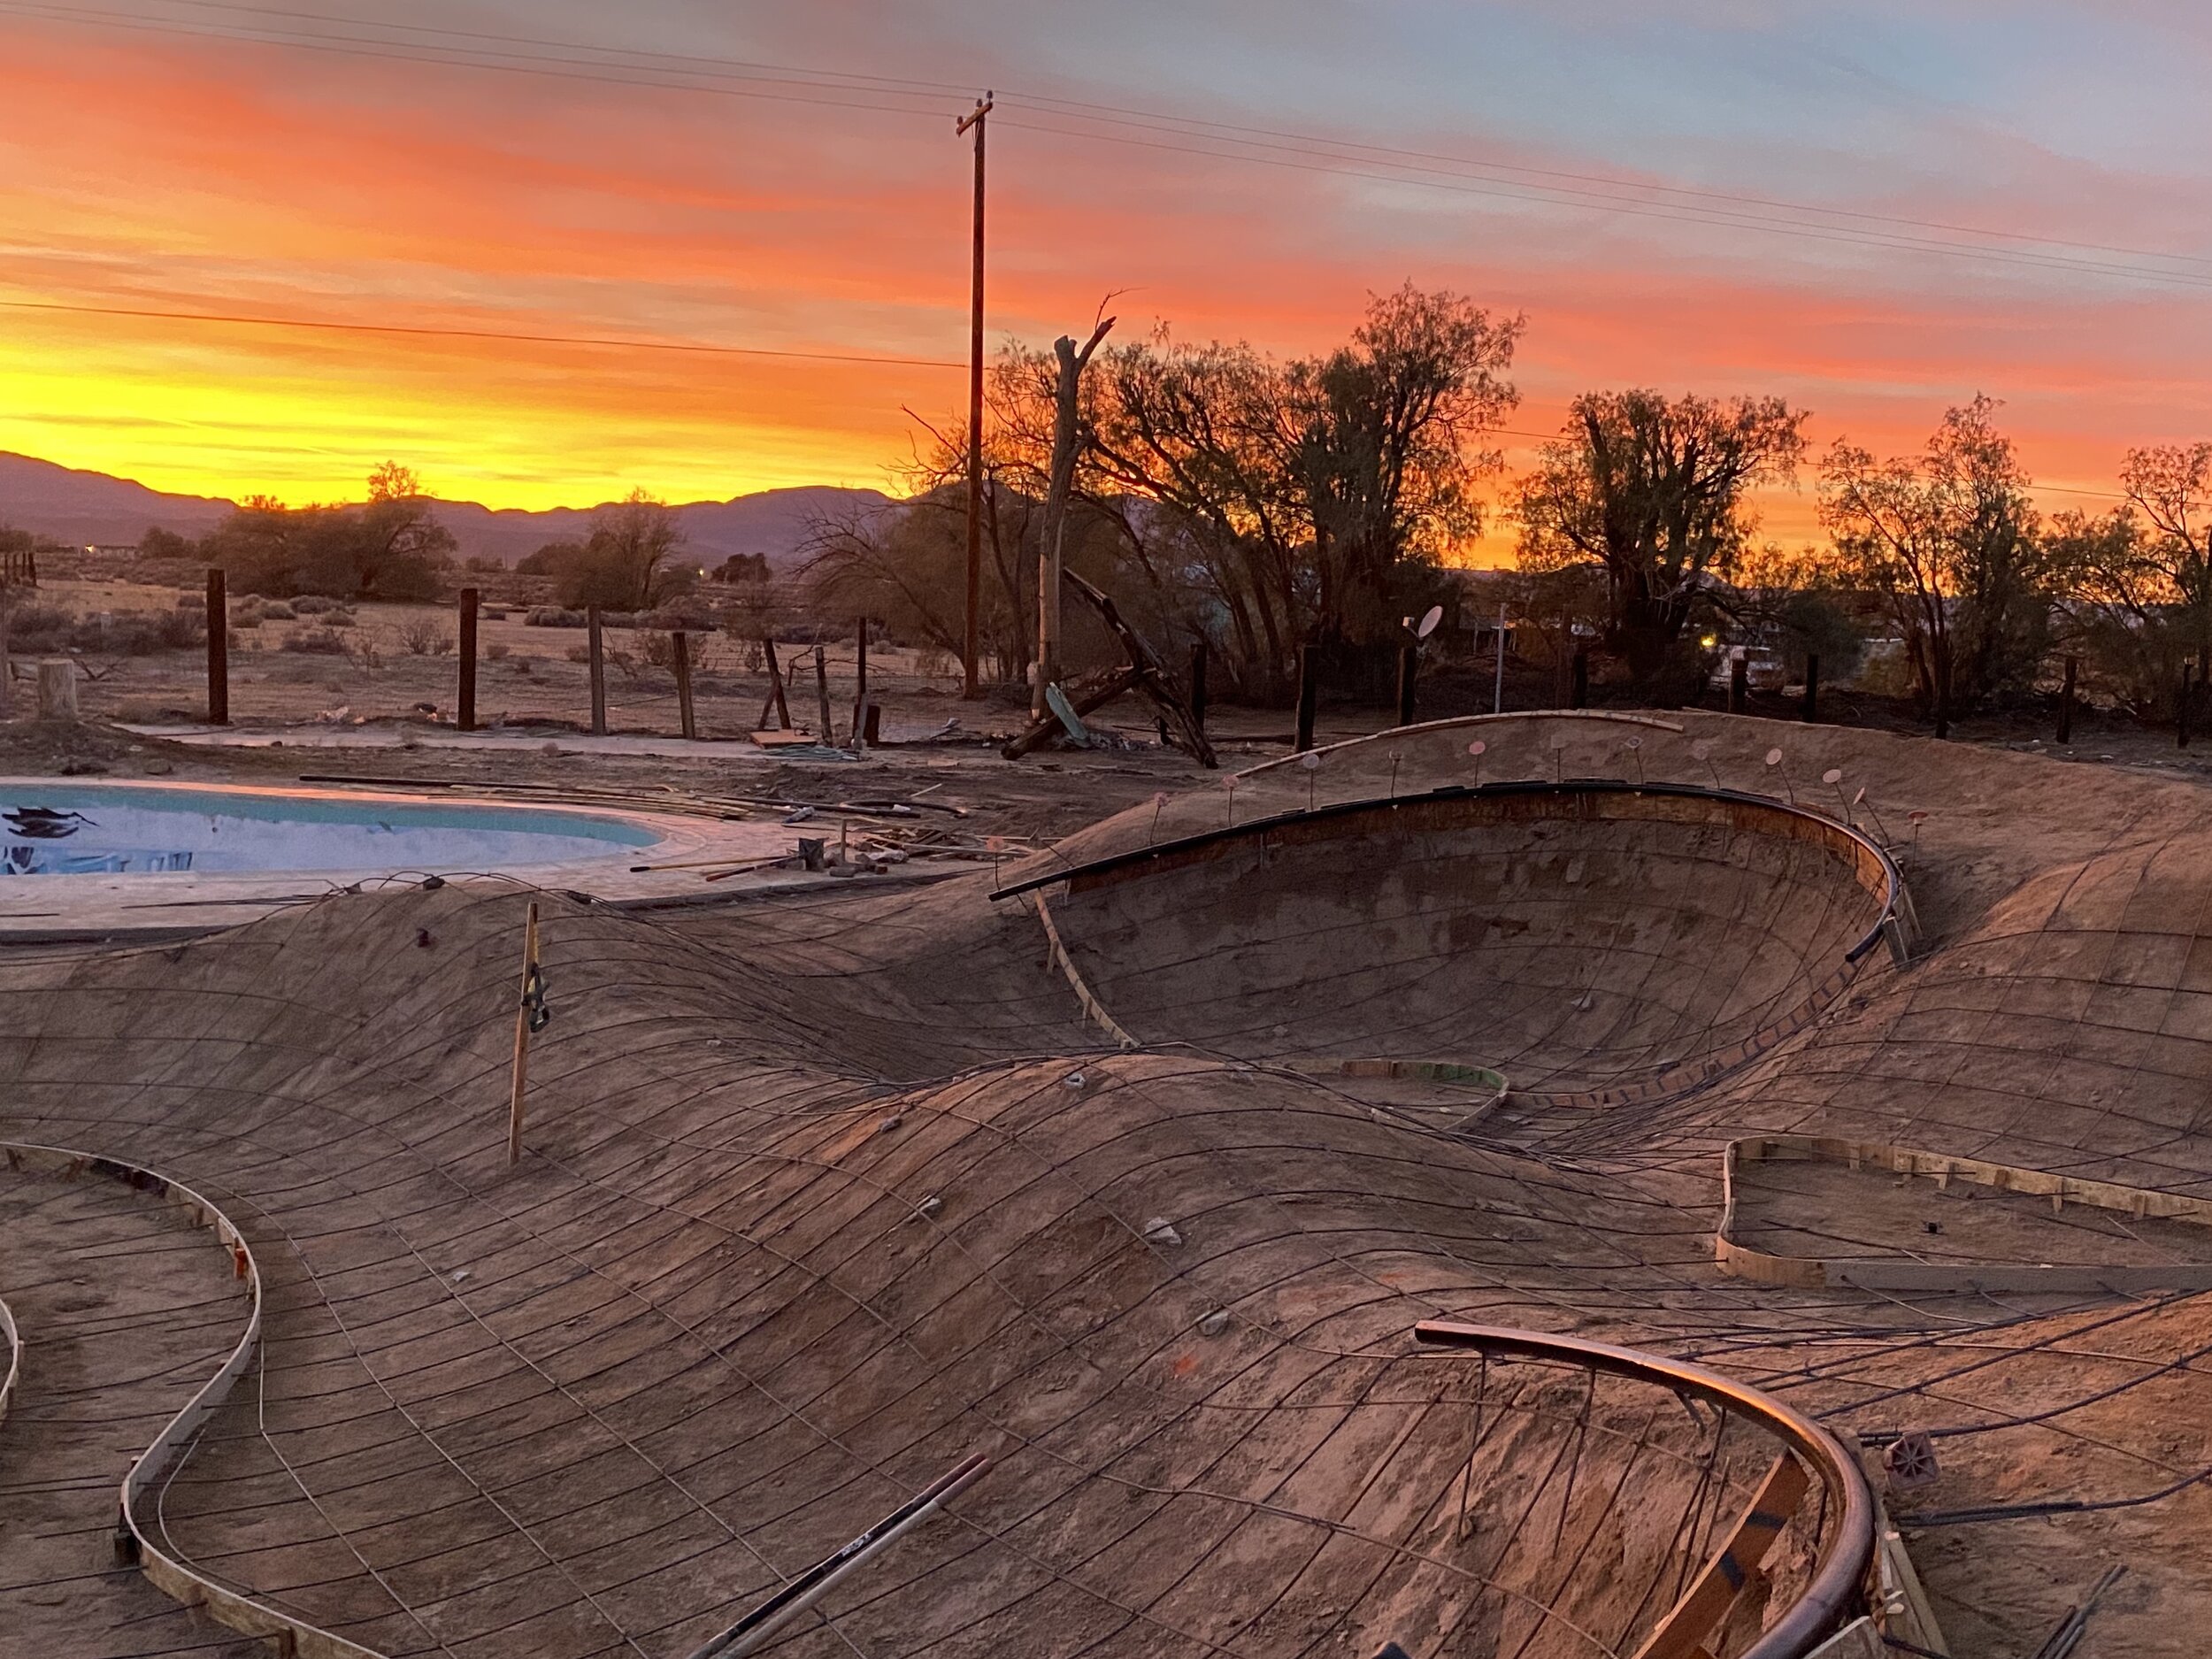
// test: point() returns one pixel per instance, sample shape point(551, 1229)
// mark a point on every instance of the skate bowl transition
point(1594, 941)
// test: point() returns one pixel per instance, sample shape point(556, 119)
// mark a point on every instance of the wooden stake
point(466, 716)
point(775, 705)
point(860, 685)
point(217, 651)
point(598, 672)
point(2066, 705)
point(522, 1037)
point(828, 734)
point(683, 643)
point(1408, 670)
point(1309, 692)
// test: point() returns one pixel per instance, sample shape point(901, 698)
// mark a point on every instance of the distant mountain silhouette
point(79, 507)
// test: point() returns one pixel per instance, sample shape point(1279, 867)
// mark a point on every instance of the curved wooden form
point(1594, 799)
point(1608, 715)
point(1740, 1261)
point(15, 1358)
point(293, 1637)
point(1837, 1589)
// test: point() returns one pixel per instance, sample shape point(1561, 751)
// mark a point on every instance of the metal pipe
point(1839, 1579)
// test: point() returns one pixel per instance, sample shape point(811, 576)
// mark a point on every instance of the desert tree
point(1656, 490)
point(629, 559)
point(1952, 540)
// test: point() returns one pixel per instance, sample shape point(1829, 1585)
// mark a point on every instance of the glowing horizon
point(171, 171)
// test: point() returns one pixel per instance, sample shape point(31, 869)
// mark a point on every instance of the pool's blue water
point(132, 829)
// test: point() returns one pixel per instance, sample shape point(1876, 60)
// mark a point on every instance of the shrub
point(277, 611)
point(320, 641)
point(553, 616)
point(313, 606)
point(424, 634)
point(497, 650)
point(579, 653)
point(191, 602)
point(495, 613)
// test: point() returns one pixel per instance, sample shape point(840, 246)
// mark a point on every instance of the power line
point(1300, 151)
point(478, 333)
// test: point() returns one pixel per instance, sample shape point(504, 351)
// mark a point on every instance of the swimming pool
point(68, 828)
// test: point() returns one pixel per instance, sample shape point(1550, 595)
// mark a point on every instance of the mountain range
point(81, 507)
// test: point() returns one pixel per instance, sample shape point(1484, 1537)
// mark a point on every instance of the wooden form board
point(1740, 1261)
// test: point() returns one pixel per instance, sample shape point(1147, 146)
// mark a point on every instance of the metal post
point(2066, 705)
point(1497, 690)
point(1408, 668)
point(217, 651)
point(522, 1037)
point(1738, 681)
point(970, 650)
point(598, 672)
point(681, 643)
point(1309, 690)
point(1198, 685)
point(1812, 687)
point(466, 714)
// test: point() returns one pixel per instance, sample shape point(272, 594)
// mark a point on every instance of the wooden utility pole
point(1066, 432)
point(970, 650)
point(529, 1015)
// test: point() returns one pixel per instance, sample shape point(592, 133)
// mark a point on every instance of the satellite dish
point(1310, 761)
point(1434, 615)
point(1834, 774)
point(1478, 749)
point(1774, 757)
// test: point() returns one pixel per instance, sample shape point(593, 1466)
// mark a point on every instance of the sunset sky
point(1875, 209)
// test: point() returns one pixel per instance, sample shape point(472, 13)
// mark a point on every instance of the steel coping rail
point(1875, 870)
point(1838, 1582)
point(173, 1578)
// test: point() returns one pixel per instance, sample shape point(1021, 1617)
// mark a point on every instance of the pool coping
point(176, 904)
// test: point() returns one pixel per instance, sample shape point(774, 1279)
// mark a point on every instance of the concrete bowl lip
point(159, 904)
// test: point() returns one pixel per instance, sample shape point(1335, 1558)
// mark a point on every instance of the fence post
point(1408, 668)
point(596, 647)
point(218, 650)
point(1309, 690)
point(1579, 684)
point(1812, 687)
point(683, 643)
point(1739, 680)
point(466, 713)
point(2181, 708)
point(2066, 705)
point(827, 735)
point(1198, 685)
point(860, 687)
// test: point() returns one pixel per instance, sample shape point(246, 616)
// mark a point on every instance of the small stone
point(1161, 1230)
point(1214, 1322)
point(1074, 1079)
point(929, 1207)
point(890, 1123)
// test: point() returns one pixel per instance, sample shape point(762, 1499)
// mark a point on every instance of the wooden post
point(7, 670)
point(217, 651)
point(828, 734)
point(970, 654)
point(466, 717)
point(2066, 705)
point(57, 689)
point(1579, 680)
point(1408, 667)
point(2181, 710)
point(1739, 682)
point(597, 647)
point(776, 705)
point(1812, 687)
point(1309, 692)
point(522, 1036)
point(1198, 683)
point(860, 685)
point(681, 642)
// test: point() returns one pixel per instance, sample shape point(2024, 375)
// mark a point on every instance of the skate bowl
point(1596, 942)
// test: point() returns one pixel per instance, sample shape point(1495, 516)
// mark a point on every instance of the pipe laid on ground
point(752, 1632)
